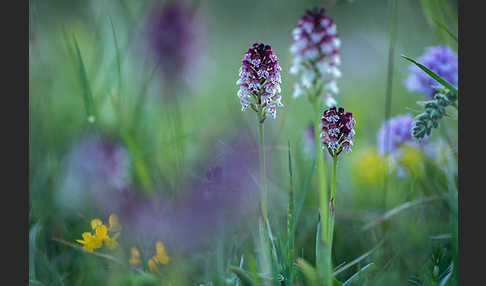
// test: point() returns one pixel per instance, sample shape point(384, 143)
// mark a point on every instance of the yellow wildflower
point(369, 167)
point(161, 255)
point(111, 242)
point(114, 224)
point(95, 241)
point(135, 258)
point(152, 266)
point(90, 242)
point(101, 232)
point(95, 223)
point(412, 158)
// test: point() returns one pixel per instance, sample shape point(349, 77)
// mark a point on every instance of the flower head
point(398, 130)
point(396, 142)
point(152, 266)
point(439, 59)
point(101, 235)
point(337, 130)
point(172, 33)
point(90, 241)
point(259, 81)
point(369, 167)
point(160, 256)
point(114, 223)
point(316, 55)
point(135, 257)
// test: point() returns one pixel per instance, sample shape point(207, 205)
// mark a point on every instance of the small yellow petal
point(87, 235)
point(101, 232)
point(152, 266)
point(161, 255)
point(95, 223)
point(114, 223)
point(135, 258)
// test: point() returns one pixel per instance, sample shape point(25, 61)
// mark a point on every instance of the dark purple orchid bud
point(260, 81)
point(337, 130)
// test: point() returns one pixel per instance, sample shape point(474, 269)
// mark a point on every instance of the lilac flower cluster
point(316, 55)
point(398, 130)
point(337, 130)
point(260, 81)
point(441, 60)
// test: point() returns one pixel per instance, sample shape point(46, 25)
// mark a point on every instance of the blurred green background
point(133, 105)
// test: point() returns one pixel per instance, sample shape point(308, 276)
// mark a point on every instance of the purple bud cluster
point(259, 81)
point(337, 130)
point(316, 55)
point(441, 60)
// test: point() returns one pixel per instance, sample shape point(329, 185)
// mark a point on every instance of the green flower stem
point(332, 199)
point(263, 172)
point(323, 201)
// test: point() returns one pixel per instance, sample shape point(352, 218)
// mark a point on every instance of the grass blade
point(432, 74)
point(351, 279)
point(87, 96)
point(290, 223)
point(359, 259)
point(117, 49)
point(399, 209)
point(245, 279)
point(445, 29)
point(305, 189)
point(308, 271)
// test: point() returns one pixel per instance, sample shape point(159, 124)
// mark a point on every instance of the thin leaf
point(290, 223)
point(305, 189)
point(351, 279)
point(359, 259)
point(140, 168)
point(432, 74)
point(245, 279)
point(87, 96)
point(440, 18)
point(33, 233)
point(308, 271)
point(444, 28)
point(118, 62)
point(399, 209)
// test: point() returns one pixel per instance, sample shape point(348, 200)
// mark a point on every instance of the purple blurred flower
point(223, 198)
point(316, 54)
point(441, 60)
point(260, 80)
point(337, 130)
point(95, 166)
point(174, 40)
point(399, 131)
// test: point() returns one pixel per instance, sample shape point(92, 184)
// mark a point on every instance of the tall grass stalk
point(389, 89)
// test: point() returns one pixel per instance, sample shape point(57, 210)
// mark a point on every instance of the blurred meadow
point(133, 111)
